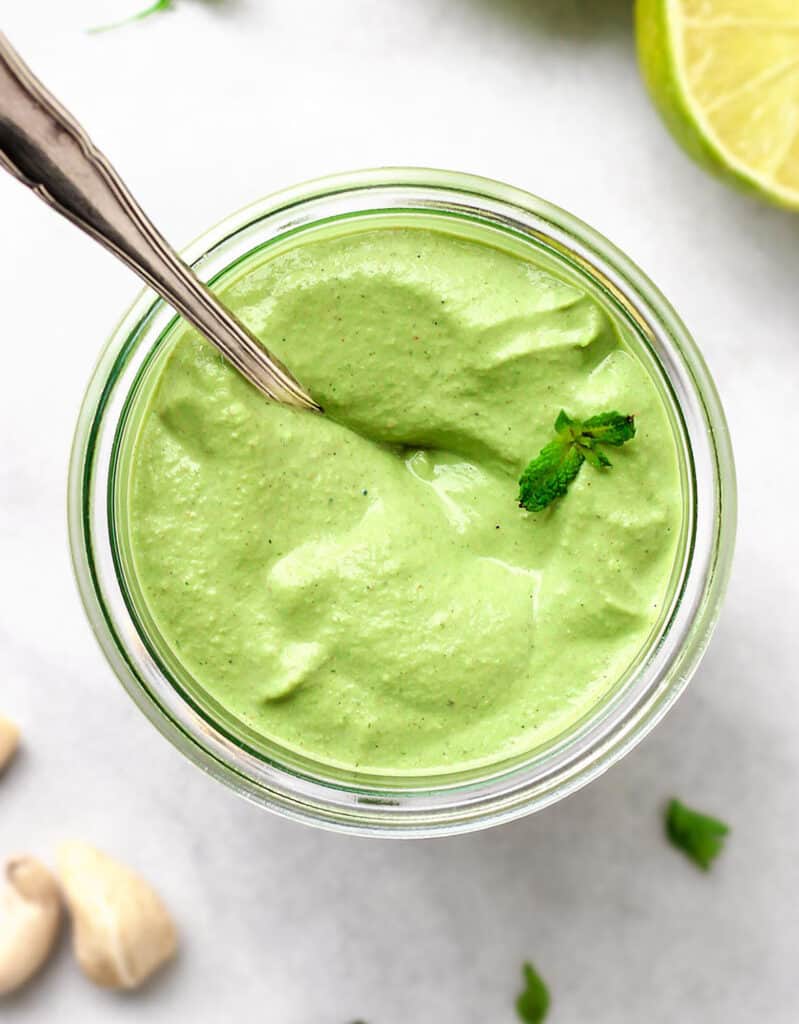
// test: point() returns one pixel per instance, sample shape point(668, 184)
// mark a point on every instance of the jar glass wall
point(444, 803)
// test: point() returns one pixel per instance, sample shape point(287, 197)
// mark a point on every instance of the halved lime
point(725, 76)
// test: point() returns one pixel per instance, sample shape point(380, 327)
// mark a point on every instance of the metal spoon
point(46, 148)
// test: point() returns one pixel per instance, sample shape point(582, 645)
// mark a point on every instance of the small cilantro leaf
point(699, 836)
point(549, 475)
point(533, 1003)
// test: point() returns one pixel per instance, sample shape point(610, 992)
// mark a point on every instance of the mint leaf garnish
point(550, 474)
point(699, 836)
point(533, 1003)
point(159, 5)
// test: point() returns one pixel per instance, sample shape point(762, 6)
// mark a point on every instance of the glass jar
point(444, 804)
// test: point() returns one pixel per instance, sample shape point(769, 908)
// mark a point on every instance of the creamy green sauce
point(362, 587)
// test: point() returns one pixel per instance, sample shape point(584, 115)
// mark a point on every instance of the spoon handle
point(46, 148)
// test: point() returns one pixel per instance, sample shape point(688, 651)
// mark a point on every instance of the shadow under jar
point(448, 797)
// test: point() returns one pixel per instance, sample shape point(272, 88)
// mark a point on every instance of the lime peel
point(663, 29)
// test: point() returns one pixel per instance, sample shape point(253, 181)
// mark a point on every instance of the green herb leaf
point(609, 428)
point(549, 475)
point(563, 422)
point(533, 1003)
point(699, 836)
point(159, 5)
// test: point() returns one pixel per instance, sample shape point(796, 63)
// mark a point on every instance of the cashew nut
point(9, 741)
point(31, 907)
point(122, 932)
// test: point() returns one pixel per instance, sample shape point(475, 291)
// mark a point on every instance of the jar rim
point(538, 780)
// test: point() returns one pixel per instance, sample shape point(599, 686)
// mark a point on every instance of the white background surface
point(203, 110)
